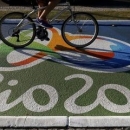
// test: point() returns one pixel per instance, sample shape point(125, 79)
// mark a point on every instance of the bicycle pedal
point(47, 39)
point(42, 39)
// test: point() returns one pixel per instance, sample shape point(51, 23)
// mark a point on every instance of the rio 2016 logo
point(104, 55)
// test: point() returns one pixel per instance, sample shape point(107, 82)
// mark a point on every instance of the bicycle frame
point(36, 9)
point(79, 21)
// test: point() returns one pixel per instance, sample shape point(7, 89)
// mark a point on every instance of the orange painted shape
point(101, 55)
point(31, 59)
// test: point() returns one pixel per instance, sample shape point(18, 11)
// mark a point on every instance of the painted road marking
point(54, 79)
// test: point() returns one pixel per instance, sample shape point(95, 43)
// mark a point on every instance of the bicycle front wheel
point(80, 30)
point(16, 32)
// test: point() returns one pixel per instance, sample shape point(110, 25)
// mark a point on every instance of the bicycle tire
point(87, 33)
point(24, 36)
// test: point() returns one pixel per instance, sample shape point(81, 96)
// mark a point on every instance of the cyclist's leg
point(42, 19)
point(41, 3)
point(51, 5)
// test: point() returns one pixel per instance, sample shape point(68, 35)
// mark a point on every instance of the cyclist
point(42, 14)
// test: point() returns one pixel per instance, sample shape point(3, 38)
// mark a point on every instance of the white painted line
point(99, 121)
point(33, 121)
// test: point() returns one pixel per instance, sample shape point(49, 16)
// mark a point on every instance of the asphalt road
point(125, 5)
point(113, 41)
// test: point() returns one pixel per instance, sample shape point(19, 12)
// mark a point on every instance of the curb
point(33, 121)
point(99, 121)
point(64, 121)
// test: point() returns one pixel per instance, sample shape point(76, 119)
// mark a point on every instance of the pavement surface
point(52, 85)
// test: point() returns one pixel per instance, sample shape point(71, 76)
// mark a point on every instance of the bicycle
point(21, 29)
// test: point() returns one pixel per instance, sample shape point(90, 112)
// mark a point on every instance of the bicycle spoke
point(19, 32)
point(83, 32)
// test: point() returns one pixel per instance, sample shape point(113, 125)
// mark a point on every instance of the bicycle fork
point(75, 22)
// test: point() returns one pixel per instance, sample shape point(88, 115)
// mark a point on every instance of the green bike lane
point(50, 84)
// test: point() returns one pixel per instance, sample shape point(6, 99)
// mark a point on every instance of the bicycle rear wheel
point(80, 31)
point(17, 37)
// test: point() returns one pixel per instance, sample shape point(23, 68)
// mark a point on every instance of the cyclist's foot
point(44, 23)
